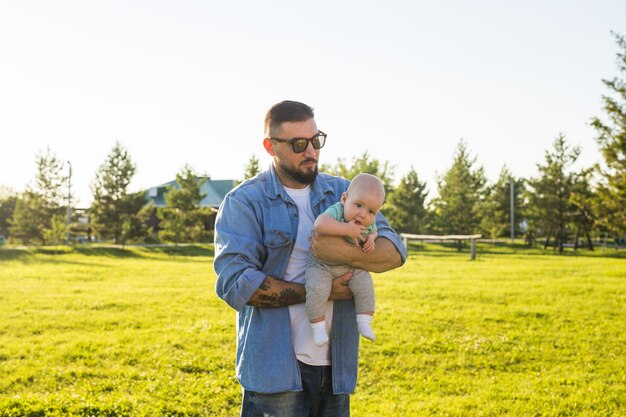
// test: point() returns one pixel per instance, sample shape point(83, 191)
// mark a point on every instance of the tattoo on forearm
point(272, 294)
point(265, 285)
point(289, 296)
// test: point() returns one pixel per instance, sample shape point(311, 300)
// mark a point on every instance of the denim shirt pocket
point(279, 245)
point(275, 238)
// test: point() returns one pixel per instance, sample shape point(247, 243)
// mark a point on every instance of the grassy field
point(140, 332)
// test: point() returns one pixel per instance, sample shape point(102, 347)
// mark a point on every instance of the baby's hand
point(355, 231)
point(370, 244)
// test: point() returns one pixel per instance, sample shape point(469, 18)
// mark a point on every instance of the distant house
point(214, 192)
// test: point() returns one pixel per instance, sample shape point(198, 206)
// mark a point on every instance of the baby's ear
point(344, 196)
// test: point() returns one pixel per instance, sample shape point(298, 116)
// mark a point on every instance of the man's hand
point(340, 289)
point(333, 249)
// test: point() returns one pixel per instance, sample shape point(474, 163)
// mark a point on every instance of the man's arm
point(388, 254)
point(274, 292)
point(238, 252)
point(327, 225)
point(337, 250)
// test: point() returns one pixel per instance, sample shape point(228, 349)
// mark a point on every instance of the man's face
point(295, 170)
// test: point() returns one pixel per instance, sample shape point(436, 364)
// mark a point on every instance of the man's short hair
point(286, 111)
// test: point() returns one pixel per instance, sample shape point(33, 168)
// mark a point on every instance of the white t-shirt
point(302, 334)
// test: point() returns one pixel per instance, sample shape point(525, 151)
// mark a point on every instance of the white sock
point(319, 333)
point(364, 323)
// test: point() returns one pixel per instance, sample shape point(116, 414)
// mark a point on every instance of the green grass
point(140, 332)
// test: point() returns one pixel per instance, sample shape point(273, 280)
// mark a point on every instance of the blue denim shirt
point(255, 232)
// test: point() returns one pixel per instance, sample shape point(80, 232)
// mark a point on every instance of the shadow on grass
point(449, 249)
point(598, 252)
point(27, 254)
point(146, 251)
point(181, 250)
point(11, 254)
point(111, 251)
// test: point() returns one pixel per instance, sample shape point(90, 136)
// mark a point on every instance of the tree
point(610, 203)
point(29, 220)
point(57, 231)
point(7, 208)
point(182, 219)
point(496, 207)
point(365, 163)
point(405, 206)
point(110, 193)
point(251, 168)
point(457, 208)
point(134, 221)
point(549, 207)
point(582, 197)
point(42, 200)
point(50, 181)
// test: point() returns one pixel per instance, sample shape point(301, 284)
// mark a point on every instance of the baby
point(354, 218)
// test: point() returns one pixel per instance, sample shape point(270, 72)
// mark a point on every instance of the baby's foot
point(319, 333)
point(366, 331)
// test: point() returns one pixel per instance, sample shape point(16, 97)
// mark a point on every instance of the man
point(262, 238)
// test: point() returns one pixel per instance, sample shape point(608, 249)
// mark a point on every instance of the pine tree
point(41, 202)
point(457, 208)
point(550, 210)
point(363, 164)
point(496, 207)
point(610, 203)
point(110, 193)
point(57, 231)
point(7, 208)
point(582, 199)
point(134, 221)
point(29, 220)
point(405, 206)
point(251, 168)
point(182, 219)
point(50, 181)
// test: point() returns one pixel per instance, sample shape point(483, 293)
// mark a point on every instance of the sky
point(189, 82)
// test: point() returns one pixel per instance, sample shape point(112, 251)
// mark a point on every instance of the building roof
point(214, 192)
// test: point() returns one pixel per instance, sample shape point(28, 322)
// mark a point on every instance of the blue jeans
point(315, 400)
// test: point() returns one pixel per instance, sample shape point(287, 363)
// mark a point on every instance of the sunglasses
point(300, 144)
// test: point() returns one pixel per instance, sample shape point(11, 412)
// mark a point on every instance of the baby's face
point(361, 205)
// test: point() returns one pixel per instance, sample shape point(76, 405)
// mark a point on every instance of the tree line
point(559, 204)
point(38, 215)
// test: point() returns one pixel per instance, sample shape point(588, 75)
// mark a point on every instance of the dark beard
point(305, 178)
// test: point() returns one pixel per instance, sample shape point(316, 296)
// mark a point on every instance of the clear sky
point(189, 82)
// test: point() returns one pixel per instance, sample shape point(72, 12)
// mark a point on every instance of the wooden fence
point(436, 238)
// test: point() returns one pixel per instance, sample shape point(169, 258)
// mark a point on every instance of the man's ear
point(269, 146)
